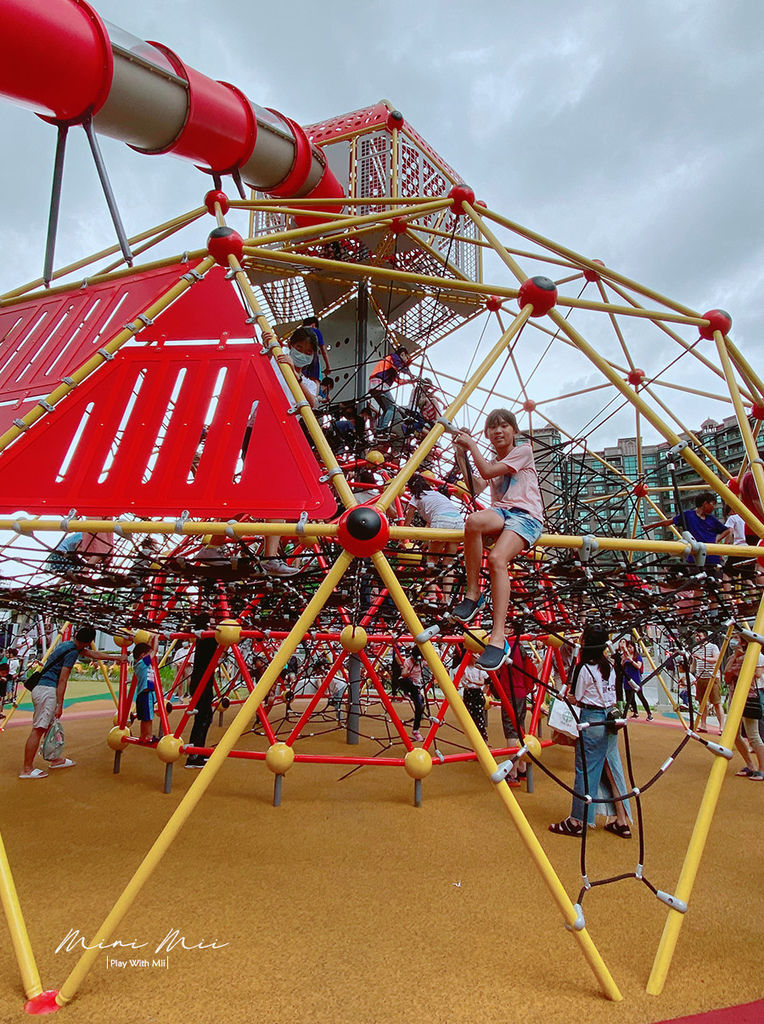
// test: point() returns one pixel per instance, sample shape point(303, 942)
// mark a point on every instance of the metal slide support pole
point(111, 201)
point(55, 204)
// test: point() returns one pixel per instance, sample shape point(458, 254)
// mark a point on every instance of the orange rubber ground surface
point(347, 904)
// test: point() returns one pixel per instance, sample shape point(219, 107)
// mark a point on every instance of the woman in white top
point(440, 513)
point(595, 695)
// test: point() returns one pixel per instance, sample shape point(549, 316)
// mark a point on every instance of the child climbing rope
point(514, 520)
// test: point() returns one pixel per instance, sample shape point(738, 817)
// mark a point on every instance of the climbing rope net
point(365, 586)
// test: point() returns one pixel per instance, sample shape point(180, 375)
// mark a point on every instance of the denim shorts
point(522, 523)
point(447, 522)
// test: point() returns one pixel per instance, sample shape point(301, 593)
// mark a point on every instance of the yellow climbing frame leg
point(22, 947)
point(489, 766)
point(697, 843)
point(199, 787)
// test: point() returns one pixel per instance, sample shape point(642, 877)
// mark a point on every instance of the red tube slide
point(60, 59)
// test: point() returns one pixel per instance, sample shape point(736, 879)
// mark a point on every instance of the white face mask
point(301, 359)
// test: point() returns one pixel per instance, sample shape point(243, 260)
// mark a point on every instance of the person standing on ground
point(205, 649)
point(704, 658)
point(48, 695)
point(596, 746)
point(474, 681)
point(632, 663)
point(752, 713)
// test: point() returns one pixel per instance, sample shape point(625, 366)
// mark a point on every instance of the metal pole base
point(417, 792)
point(117, 761)
point(167, 778)
point(278, 781)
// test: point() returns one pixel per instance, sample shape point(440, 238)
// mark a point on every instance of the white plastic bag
point(53, 741)
point(562, 718)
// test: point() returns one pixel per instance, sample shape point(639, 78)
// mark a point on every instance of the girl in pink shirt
point(514, 520)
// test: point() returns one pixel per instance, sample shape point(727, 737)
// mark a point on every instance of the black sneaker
point(493, 658)
point(195, 761)
point(467, 609)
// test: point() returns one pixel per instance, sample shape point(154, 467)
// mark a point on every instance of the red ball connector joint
point(395, 120)
point(493, 303)
point(225, 242)
point(363, 531)
point(538, 292)
point(461, 194)
point(718, 320)
point(529, 405)
point(591, 275)
point(636, 377)
point(216, 196)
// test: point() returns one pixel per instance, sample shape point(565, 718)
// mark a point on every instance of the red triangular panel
point(45, 339)
point(205, 312)
point(141, 460)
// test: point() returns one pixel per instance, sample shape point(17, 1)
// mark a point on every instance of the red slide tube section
point(57, 57)
point(220, 128)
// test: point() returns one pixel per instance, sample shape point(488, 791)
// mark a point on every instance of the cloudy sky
point(627, 131)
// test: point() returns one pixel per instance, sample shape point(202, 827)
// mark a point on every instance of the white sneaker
point(277, 567)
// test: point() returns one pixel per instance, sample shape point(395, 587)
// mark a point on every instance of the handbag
point(562, 718)
point(34, 678)
point(752, 707)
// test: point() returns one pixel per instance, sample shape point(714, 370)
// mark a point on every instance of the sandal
point(567, 828)
point(745, 772)
point(618, 830)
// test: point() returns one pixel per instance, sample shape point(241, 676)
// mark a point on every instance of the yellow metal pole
point(489, 766)
point(686, 430)
point(200, 785)
point(747, 372)
point(689, 456)
point(327, 456)
point(91, 365)
point(107, 680)
point(671, 929)
point(22, 947)
point(348, 222)
point(751, 449)
point(583, 261)
point(446, 285)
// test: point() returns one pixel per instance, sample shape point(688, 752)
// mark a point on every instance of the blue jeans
point(599, 746)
